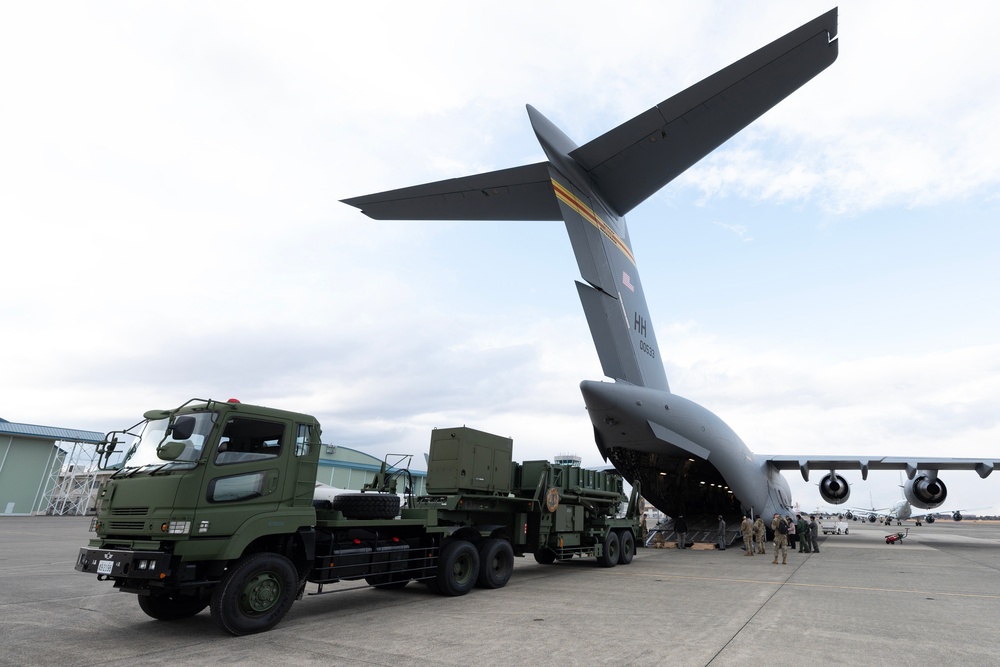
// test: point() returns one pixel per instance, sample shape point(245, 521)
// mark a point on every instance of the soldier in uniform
point(802, 528)
point(722, 533)
point(681, 528)
point(746, 527)
point(813, 534)
point(780, 529)
point(759, 534)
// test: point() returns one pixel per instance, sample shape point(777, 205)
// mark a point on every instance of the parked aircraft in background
point(899, 512)
point(687, 459)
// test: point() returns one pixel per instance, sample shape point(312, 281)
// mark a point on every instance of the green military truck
point(212, 505)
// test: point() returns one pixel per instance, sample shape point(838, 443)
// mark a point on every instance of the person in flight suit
point(802, 528)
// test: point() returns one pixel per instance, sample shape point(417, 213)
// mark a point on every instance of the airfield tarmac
point(934, 599)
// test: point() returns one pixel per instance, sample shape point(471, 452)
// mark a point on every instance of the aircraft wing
point(865, 463)
point(519, 193)
point(637, 158)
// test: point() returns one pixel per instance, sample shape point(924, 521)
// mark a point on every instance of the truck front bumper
point(121, 563)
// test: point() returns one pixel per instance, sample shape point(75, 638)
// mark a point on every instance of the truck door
point(245, 473)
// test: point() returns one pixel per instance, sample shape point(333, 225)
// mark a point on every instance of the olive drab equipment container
point(211, 505)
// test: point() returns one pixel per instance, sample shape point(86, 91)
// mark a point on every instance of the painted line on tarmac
point(831, 586)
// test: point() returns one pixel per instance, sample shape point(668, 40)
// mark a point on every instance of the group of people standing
point(786, 533)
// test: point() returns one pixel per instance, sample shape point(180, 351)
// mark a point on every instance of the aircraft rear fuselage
point(688, 459)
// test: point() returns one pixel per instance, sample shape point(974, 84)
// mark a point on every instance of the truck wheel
point(367, 505)
point(496, 563)
point(458, 568)
point(545, 556)
point(609, 555)
point(626, 547)
point(171, 607)
point(254, 594)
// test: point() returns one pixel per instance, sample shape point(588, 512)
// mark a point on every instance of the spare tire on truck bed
point(367, 505)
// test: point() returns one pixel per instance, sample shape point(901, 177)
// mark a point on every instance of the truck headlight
point(176, 527)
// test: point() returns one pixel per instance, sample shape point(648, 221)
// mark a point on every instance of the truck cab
point(196, 487)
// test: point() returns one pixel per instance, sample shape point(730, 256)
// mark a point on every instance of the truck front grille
point(129, 511)
point(126, 525)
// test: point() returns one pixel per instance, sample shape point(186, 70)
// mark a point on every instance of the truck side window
point(236, 487)
point(302, 437)
point(246, 440)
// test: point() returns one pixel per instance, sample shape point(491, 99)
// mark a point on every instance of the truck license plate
point(104, 566)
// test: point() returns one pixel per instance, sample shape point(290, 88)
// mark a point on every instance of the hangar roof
point(49, 432)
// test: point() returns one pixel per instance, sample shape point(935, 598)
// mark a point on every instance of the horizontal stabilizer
point(519, 193)
point(633, 161)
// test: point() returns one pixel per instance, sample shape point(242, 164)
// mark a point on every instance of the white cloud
point(172, 225)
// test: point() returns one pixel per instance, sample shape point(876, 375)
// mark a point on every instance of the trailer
point(211, 505)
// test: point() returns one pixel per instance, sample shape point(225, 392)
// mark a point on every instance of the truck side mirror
point(171, 450)
point(182, 428)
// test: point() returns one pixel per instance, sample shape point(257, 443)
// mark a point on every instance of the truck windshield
point(142, 451)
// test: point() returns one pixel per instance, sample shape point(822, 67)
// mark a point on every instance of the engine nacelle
point(849, 515)
point(957, 516)
point(872, 518)
point(834, 489)
point(925, 490)
point(931, 518)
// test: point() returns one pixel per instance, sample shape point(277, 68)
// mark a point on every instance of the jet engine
point(957, 516)
point(834, 489)
point(872, 518)
point(930, 518)
point(925, 490)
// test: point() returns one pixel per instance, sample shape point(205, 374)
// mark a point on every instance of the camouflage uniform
point(780, 541)
point(747, 529)
point(759, 535)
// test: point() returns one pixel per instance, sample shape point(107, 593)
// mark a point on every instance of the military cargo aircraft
point(687, 459)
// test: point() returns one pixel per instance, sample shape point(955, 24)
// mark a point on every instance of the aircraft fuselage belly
point(688, 460)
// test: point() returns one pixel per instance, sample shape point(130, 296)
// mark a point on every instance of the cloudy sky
point(171, 223)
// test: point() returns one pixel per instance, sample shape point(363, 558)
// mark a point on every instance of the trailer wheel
point(626, 547)
point(545, 556)
point(171, 607)
point(367, 505)
point(609, 555)
point(496, 563)
point(458, 568)
point(254, 594)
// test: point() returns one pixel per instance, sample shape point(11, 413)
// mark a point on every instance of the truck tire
point(545, 556)
point(496, 563)
point(626, 547)
point(367, 505)
point(609, 555)
point(255, 593)
point(458, 568)
point(171, 607)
